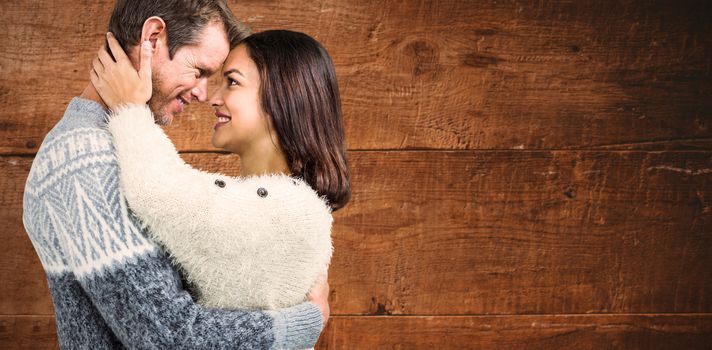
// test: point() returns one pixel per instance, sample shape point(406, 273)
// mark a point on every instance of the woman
point(262, 239)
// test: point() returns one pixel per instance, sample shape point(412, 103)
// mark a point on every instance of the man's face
point(179, 81)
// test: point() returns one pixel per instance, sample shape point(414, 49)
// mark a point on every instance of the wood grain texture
point(28, 332)
point(522, 233)
point(526, 174)
point(458, 332)
point(427, 74)
point(519, 332)
point(505, 232)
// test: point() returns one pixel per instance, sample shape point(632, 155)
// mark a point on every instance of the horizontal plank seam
point(533, 150)
point(704, 314)
point(649, 142)
point(19, 155)
point(429, 150)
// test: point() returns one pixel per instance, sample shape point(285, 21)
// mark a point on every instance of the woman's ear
point(154, 29)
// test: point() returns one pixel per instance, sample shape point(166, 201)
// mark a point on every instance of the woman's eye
point(232, 82)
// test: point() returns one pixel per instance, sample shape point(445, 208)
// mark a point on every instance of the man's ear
point(154, 29)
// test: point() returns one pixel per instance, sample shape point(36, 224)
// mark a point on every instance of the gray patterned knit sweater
point(112, 286)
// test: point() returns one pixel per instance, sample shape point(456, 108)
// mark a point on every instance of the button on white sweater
point(254, 242)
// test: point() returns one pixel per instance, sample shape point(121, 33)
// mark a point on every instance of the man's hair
point(184, 21)
point(299, 92)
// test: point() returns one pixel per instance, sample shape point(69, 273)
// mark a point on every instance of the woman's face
point(241, 122)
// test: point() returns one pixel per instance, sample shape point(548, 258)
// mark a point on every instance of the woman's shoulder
point(286, 190)
point(288, 204)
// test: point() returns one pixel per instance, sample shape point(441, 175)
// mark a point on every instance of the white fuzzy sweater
point(255, 242)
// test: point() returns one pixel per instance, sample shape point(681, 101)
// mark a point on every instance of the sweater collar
point(89, 109)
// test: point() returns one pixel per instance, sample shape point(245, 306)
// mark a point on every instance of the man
point(112, 287)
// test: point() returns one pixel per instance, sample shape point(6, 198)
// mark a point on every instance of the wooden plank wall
point(526, 174)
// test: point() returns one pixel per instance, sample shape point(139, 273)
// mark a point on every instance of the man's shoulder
point(83, 118)
point(79, 140)
point(81, 115)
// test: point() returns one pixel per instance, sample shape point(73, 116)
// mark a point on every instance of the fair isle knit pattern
point(111, 285)
point(256, 242)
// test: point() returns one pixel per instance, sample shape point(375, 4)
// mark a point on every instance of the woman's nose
point(216, 99)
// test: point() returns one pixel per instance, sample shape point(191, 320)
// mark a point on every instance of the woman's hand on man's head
point(116, 80)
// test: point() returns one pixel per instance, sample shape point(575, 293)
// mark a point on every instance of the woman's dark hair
point(299, 92)
point(184, 20)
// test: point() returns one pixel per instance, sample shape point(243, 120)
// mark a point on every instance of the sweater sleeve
point(253, 242)
point(133, 285)
point(154, 177)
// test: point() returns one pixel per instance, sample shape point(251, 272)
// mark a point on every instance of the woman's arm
point(257, 242)
point(160, 187)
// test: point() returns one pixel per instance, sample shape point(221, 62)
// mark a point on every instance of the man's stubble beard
point(158, 101)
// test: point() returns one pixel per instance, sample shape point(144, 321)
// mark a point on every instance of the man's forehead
point(209, 62)
point(210, 49)
point(204, 58)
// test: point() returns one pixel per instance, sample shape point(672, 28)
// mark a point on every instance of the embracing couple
point(143, 251)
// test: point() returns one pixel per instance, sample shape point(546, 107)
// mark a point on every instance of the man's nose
point(200, 91)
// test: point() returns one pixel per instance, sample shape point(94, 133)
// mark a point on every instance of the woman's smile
point(223, 119)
